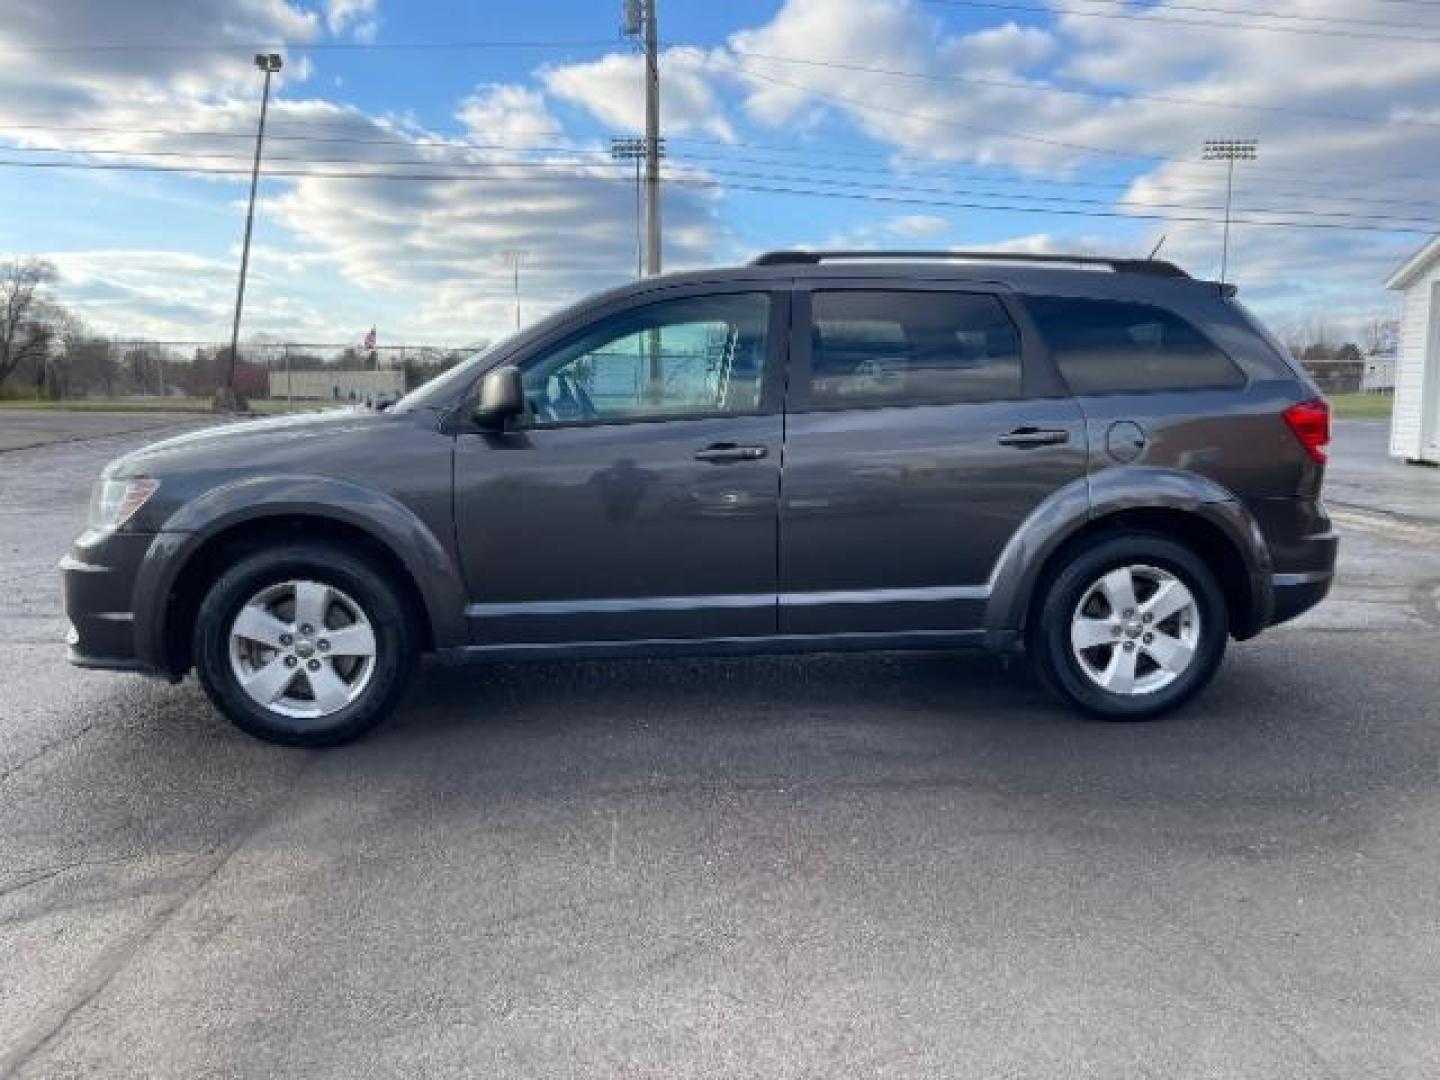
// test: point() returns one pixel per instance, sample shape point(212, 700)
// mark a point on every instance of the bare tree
point(1379, 334)
point(24, 335)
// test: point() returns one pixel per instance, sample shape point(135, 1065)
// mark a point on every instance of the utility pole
point(515, 258)
point(638, 19)
point(652, 140)
point(269, 63)
point(1229, 151)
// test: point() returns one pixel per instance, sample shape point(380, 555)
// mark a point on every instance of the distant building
point(1337, 375)
point(1379, 377)
point(336, 385)
point(1415, 423)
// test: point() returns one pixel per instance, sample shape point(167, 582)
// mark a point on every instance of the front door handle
point(720, 453)
point(1030, 436)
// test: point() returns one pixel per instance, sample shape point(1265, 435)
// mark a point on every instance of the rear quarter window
point(1117, 347)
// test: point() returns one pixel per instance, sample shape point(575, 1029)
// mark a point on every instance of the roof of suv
point(1101, 277)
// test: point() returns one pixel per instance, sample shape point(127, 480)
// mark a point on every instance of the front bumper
point(98, 585)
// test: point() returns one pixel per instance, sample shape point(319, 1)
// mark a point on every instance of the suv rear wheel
point(305, 645)
point(1132, 625)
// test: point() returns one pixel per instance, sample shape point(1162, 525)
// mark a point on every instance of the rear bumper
point(1303, 547)
point(1296, 594)
point(97, 580)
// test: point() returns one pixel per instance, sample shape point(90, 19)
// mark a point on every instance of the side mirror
point(502, 398)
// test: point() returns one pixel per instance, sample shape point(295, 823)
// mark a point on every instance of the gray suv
point(1101, 463)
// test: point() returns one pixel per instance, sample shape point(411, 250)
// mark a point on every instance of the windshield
point(439, 388)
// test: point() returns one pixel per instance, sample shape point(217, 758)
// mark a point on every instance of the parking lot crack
point(119, 956)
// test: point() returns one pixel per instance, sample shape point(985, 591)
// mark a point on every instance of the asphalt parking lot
point(908, 866)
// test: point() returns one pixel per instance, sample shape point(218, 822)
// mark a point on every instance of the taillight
point(1310, 421)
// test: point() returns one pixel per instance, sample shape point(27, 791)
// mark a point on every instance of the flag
point(370, 340)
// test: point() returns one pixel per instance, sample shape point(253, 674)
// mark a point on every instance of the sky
point(411, 144)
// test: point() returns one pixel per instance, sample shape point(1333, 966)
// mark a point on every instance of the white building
point(333, 384)
point(1379, 377)
point(1415, 427)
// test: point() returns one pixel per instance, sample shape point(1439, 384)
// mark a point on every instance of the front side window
point(699, 356)
point(876, 347)
point(1116, 347)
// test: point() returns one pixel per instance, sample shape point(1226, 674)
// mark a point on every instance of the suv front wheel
point(1133, 624)
point(304, 644)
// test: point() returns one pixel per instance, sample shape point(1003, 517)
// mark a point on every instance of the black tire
point(1049, 635)
point(396, 642)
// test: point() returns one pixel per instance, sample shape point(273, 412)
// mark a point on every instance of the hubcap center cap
point(1133, 627)
point(304, 649)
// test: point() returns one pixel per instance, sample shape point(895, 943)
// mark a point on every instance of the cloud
point(419, 254)
point(167, 295)
point(1146, 87)
point(404, 229)
point(914, 225)
point(613, 90)
point(359, 18)
point(509, 116)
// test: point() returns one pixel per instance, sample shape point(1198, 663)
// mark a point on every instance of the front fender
point(385, 519)
point(1091, 499)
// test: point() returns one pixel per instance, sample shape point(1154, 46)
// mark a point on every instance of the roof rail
point(1154, 267)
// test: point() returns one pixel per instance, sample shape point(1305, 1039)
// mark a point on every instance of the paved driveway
point(870, 866)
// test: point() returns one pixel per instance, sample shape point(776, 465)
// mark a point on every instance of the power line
point(240, 47)
point(1076, 199)
point(703, 159)
point(1114, 95)
point(439, 143)
point(1060, 211)
point(809, 153)
point(1183, 163)
point(1152, 19)
point(708, 166)
point(217, 156)
point(881, 196)
point(1248, 12)
point(443, 142)
point(1099, 185)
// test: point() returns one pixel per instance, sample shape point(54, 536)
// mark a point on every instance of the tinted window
point(701, 356)
point(1108, 347)
point(911, 348)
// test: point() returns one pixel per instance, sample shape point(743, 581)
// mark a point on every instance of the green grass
point(1361, 406)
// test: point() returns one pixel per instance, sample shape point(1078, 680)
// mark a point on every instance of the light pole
point(269, 63)
point(634, 150)
point(515, 258)
point(1229, 151)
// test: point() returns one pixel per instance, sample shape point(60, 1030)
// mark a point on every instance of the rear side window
point(1116, 347)
point(910, 348)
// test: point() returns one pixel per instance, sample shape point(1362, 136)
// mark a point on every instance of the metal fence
point(292, 374)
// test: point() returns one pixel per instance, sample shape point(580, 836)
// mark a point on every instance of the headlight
point(115, 502)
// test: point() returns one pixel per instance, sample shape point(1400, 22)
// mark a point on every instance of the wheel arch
point(1186, 507)
point(207, 535)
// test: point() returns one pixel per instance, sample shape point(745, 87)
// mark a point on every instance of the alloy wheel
point(302, 649)
point(1135, 630)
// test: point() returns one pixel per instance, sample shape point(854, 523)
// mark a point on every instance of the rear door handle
point(1030, 436)
point(721, 453)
